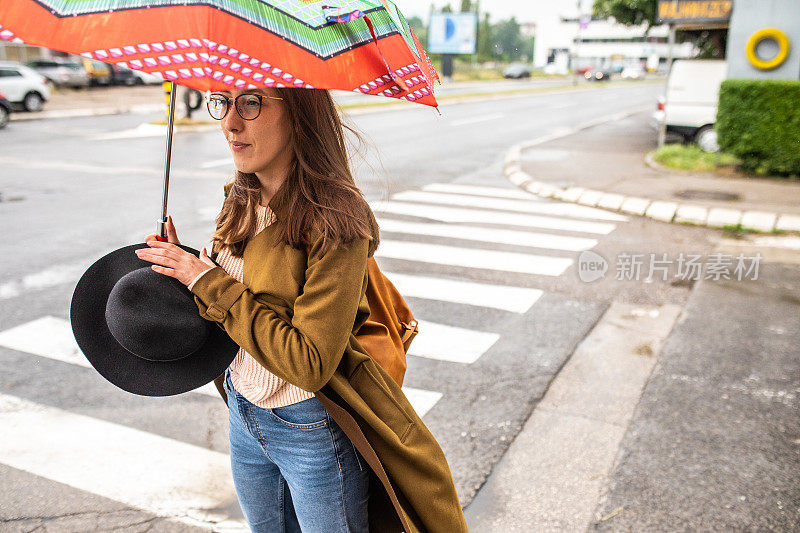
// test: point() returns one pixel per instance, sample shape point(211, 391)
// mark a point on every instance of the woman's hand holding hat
point(173, 261)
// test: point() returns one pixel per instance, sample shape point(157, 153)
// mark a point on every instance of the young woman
point(292, 242)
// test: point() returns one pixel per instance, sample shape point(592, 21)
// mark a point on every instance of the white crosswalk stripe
point(473, 258)
point(112, 460)
point(522, 206)
point(479, 190)
point(506, 298)
point(450, 343)
point(461, 215)
point(500, 236)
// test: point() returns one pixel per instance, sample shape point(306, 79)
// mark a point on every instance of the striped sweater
point(257, 384)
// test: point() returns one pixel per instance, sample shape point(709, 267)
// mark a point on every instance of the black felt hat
point(142, 331)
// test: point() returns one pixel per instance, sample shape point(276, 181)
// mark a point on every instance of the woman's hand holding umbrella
point(173, 261)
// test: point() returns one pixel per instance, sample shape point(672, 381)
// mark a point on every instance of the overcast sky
point(498, 9)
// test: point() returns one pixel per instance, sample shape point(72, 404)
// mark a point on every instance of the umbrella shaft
point(162, 230)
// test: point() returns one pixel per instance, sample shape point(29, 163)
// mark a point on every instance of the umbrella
point(364, 46)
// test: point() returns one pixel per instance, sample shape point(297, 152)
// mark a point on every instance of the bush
point(759, 121)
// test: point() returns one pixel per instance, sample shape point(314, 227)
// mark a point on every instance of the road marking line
point(50, 277)
point(475, 120)
point(146, 471)
point(523, 206)
point(218, 163)
point(473, 258)
point(503, 297)
point(455, 214)
point(450, 343)
point(476, 233)
point(51, 337)
point(141, 131)
point(102, 169)
point(479, 190)
point(421, 400)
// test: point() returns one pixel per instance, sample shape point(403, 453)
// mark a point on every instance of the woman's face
point(261, 145)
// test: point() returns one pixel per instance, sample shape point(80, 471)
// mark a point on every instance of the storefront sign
point(694, 10)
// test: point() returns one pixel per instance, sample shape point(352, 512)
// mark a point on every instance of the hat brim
point(118, 365)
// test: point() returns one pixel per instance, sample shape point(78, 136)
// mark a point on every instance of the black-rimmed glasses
point(248, 106)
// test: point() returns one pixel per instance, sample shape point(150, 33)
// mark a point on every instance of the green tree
point(416, 24)
point(466, 6)
point(485, 39)
point(507, 38)
point(628, 12)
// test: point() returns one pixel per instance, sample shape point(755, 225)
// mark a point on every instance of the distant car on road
point(690, 106)
point(99, 72)
point(145, 78)
point(632, 73)
point(62, 72)
point(23, 85)
point(517, 71)
point(598, 75)
point(5, 111)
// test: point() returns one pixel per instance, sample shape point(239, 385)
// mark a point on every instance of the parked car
point(23, 85)
point(99, 72)
point(598, 75)
point(5, 111)
point(690, 106)
point(62, 72)
point(123, 76)
point(145, 78)
point(632, 73)
point(517, 71)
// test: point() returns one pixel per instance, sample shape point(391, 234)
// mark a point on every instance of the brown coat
point(297, 314)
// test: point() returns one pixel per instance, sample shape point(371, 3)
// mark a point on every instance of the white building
point(602, 43)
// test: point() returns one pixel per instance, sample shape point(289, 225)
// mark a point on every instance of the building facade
point(602, 43)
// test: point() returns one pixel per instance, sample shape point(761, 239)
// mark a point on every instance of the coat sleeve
point(307, 350)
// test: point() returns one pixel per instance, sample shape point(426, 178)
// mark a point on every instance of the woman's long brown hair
point(319, 192)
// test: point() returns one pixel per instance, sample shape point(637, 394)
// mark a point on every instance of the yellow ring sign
point(768, 33)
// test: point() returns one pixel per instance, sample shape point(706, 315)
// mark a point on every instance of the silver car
point(23, 86)
point(62, 72)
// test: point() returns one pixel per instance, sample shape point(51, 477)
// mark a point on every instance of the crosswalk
point(478, 224)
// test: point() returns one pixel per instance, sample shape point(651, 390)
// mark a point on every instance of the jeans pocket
point(308, 414)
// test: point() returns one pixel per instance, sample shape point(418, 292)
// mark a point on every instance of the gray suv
point(62, 72)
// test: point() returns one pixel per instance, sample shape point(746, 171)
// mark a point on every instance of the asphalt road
point(489, 271)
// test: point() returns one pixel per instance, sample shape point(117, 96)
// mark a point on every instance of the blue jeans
point(294, 469)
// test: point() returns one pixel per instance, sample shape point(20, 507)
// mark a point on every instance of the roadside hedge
point(759, 121)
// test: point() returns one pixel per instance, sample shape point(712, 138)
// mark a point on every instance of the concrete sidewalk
point(604, 166)
point(95, 101)
point(666, 419)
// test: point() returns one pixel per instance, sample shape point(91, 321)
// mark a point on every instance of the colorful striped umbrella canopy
point(210, 45)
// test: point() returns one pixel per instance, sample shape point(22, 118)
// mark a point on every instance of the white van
point(690, 108)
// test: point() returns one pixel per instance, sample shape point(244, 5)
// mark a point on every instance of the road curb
point(663, 211)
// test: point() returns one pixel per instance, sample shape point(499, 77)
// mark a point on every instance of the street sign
point(452, 33)
point(676, 11)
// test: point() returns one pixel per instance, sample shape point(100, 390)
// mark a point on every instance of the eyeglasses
point(248, 106)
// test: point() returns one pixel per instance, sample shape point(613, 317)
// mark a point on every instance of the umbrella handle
point(161, 230)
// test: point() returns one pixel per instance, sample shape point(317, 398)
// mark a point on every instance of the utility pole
point(581, 23)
